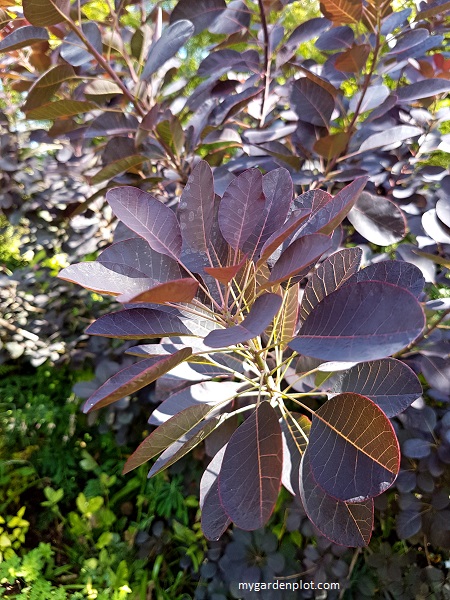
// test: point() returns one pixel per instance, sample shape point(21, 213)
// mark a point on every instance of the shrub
point(223, 276)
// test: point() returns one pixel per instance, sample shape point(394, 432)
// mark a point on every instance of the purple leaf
point(311, 102)
point(258, 319)
point(303, 33)
point(235, 17)
point(178, 290)
point(361, 321)
point(388, 382)
point(299, 257)
point(397, 272)
point(166, 434)
point(73, 50)
point(95, 276)
point(410, 39)
point(435, 228)
point(277, 188)
point(148, 217)
point(378, 219)
point(328, 277)
point(22, 37)
point(353, 448)
point(202, 13)
point(196, 208)
point(383, 108)
point(250, 477)
point(443, 210)
point(171, 40)
point(437, 372)
point(277, 238)
point(341, 522)
point(422, 89)
point(137, 323)
point(133, 378)
point(393, 135)
point(416, 448)
point(295, 429)
point(241, 207)
point(214, 518)
point(408, 523)
point(336, 38)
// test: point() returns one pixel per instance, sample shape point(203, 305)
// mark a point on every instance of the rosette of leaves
point(221, 279)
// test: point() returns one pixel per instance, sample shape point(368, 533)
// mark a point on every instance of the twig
point(266, 63)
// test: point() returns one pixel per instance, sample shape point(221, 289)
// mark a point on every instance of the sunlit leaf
point(250, 477)
point(137, 323)
point(23, 37)
point(378, 219)
point(171, 40)
point(45, 12)
point(342, 11)
point(60, 109)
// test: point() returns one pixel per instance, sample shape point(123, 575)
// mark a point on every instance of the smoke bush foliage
point(264, 314)
point(222, 277)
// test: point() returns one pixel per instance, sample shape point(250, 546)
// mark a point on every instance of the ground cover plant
point(224, 275)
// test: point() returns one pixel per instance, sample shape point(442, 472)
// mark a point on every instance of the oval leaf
point(214, 518)
point(353, 450)
point(398, 272)
point(179, 290)
point(137, 323)
point(388, 382)
point(311, 102)
point(378, 219)
point(166, 434)
point(148, 217)
point(341, 522)
point(45, 12)
point(96, 276)
point(133, 378)
point(74, 51)
point(342, 11)
point(171, 40)
point(423, 89)
point(60, 109)
point(250, 477)
point(390, 136)
point(202, 13)
point(22, 37)
point(361, 321)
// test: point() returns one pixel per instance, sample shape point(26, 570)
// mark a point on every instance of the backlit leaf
point(342, 11)
point(365, 458)
point(95, 276)
point(276, 239)
point(225, 274)
point(166, 434)
point(341, 522)
point(171, 40)
point(250, 477)
point(361, 321)
point(43, 88)
point(260, 316)
point(137, 323)
point(388, 382)
point(178, 290)
point(148, 217)
point(332, 145)
point(45, 12)
point(331, 274)
point(286, 324)
point(353, 59)
point(133, 378)
point(241, 207)
point(22, 37)
point(117, 167)
point(60, 109)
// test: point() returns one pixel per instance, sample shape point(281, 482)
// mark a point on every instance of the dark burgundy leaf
point(353, 60)
point(361, 321)
point(196, 208)
point(250, 477)
point(299, 257)
point(219, 62)
point(277, 238)
point(167, 433)
point(388, 382)
point(22, 37)
point(311, 102)
point(241, 207)
point(205, 392)
point(408, 523)
point(137, 323)
point(303, 33)
point(378, 219)
point(423, 89)
point(171, 40)
point(374, 96)
point(277, 188)
point(331, 274)
point(341, 522)
point(328, 211)
point(148, 217)
point(202, 13)
point(112, 124)
point(233, 19)
point(258, 319)
point(133, 378)
point(394, 20)
point(73, 50)
point(336, 38)
point(398, 272)
point(353, 449)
